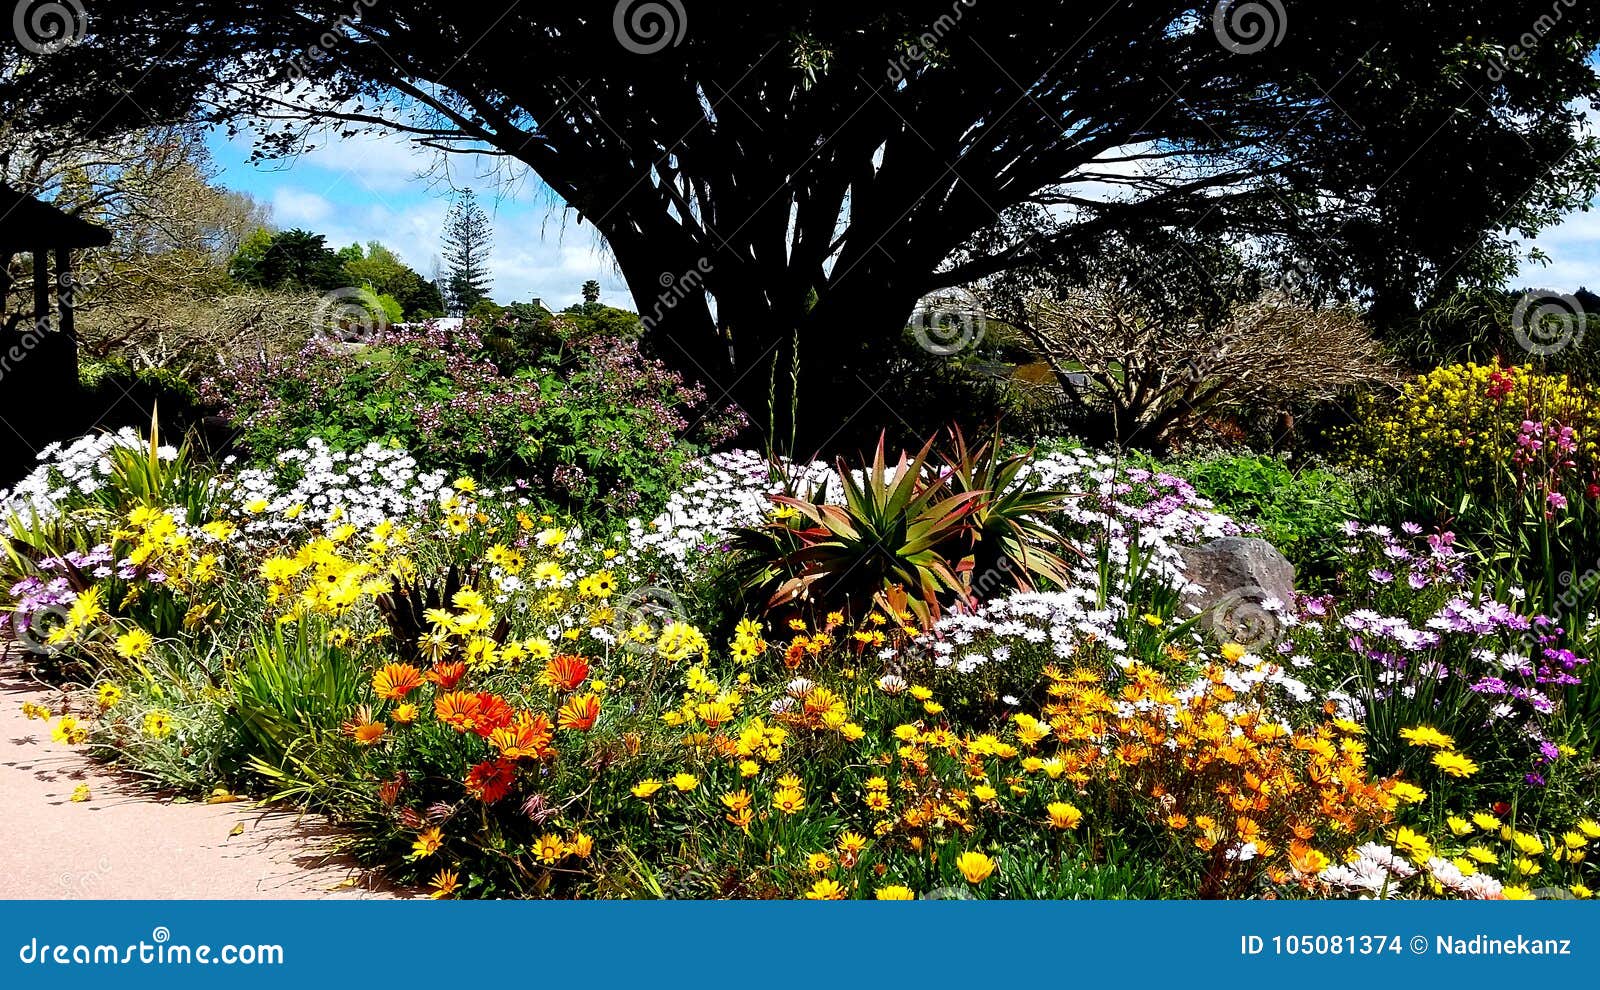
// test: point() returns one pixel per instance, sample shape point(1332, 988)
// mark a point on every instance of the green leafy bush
point(594, 424)
point(1298, 509)
point(117, 394)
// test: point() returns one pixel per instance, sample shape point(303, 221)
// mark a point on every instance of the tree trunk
point(801, 352)
point(824, 382)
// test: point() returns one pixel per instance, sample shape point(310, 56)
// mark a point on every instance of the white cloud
point(292, 207)
point(1573, 246)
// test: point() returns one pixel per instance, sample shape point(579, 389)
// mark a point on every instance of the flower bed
point(499, 703)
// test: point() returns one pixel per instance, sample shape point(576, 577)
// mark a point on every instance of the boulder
point(1236, 576)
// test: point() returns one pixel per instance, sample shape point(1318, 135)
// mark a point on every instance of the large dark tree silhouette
point(783, 175)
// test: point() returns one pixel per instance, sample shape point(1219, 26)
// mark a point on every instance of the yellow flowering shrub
point(1484, 425)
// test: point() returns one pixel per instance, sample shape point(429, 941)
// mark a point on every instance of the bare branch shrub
point(1156, 373)
point(184, 333)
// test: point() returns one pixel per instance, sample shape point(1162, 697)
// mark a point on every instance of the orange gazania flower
point(444, 884)
point(458, 709)
point(365, 733)
point(564, 672)
point(494, 712)
point(491, 780)
point(579, 712)
point(1306, 859)
point(447, 674)
point(396, 680)
point(528, 736)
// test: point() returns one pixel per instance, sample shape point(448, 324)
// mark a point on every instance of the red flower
point(389, 790)
point(566, 671)
point(1501, 808)
point(494, 714)
point(491, 780)
point(447, 674)
point(1500, 384)
point(1593, 490)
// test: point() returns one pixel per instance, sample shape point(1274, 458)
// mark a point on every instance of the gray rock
point(1236, 576)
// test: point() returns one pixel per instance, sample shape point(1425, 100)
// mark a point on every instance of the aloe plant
point(956, 533)
point(893, 529)
point(1009, 528)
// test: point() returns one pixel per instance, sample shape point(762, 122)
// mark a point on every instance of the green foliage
point(1009, 534)
point(145, 478)
point(594, 425)
point(889, 533)
point(291, 695)
point(1483, 324)
point(1299, 509)
point(288, 259)
point(379, 269)
point(596, 318)
point(392, 310)
point(120, 394)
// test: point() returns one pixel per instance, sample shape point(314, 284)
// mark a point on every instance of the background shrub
point(1299, 510)
point(592, 423)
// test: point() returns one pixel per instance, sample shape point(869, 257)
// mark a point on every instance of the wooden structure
point(38, 343)
point(30, 226)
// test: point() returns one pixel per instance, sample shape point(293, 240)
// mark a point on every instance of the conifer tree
point(468, 239)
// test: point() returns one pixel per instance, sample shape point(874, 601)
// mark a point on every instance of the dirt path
point(125, 842)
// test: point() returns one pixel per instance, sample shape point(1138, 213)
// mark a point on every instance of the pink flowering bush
point(591, 424)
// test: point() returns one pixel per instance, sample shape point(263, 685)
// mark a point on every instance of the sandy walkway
point(125, 842)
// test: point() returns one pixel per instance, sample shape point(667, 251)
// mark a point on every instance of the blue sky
point(379, 188)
